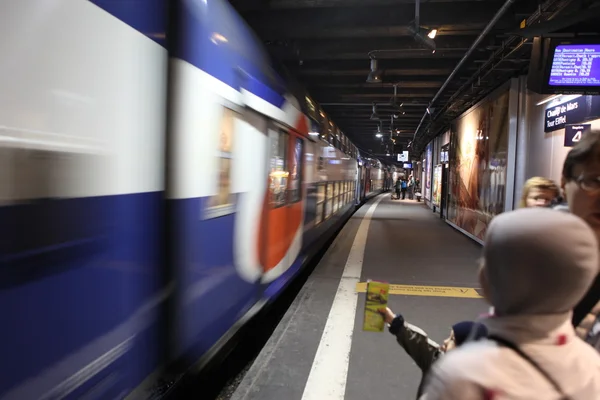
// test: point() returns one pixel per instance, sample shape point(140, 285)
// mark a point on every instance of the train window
point(223, 202)
point(346, 185)
point(350, 191)
point(320, 203)
point(296, 171)
point(328, 200)
point(279, 174)
point(336, 191)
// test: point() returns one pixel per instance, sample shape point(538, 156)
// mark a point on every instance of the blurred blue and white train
point(158, 186)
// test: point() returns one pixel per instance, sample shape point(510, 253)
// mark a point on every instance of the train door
point(358, 180)
point(283, 210)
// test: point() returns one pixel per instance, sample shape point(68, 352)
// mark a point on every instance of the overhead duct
point(471, 49)
point(375, 116)
point(375, 74)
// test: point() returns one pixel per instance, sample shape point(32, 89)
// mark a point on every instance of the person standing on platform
point(539, 192)
point(537, 265)
point(403, 188)
point(398, 188)
point(421, 348)
point(580, 183)
point(411, 187)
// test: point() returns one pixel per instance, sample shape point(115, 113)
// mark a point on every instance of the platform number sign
point(574, 133)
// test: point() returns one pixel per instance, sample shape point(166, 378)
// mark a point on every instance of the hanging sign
point(573, 111)
point(574, 133)
point(402, 157)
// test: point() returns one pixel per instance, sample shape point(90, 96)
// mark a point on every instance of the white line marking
point(329, 371)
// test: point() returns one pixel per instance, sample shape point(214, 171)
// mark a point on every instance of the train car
point(242, 168)
point(159, 184)
point(371, 178)
point(82, 161)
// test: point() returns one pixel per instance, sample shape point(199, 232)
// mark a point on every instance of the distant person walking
point(403, 188)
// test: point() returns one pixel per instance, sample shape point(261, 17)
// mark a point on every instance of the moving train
point(159, 184)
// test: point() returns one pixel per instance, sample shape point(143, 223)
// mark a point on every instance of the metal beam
point(369, 20)
point(331, 98)
point(405, 85)
point(388, 72)
point(386, 105)
point(363, 64)
point(353, 54)
point(382, 114)
point(375, 90)
point(313, 48)
point(295, 4)
point(402, 83)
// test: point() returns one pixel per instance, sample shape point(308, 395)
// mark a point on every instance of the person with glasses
point(580, 183)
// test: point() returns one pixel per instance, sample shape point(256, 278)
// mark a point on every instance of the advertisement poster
point(478, 157)
point(427, 180)
point(437, 185)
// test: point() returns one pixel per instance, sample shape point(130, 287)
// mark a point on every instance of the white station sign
point(402, 157)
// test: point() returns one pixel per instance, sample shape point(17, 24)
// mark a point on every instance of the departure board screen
point(576, 65)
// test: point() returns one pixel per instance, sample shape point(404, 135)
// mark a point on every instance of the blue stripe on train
point(79, 269)
point(215, 39)
point(147, 16)
point(211, 295)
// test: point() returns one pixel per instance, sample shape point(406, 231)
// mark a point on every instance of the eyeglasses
point(588, 183)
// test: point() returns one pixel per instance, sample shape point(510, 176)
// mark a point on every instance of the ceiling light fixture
point(432, 34)
point(375, 74)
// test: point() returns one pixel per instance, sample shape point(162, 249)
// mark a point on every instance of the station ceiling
point(329, 45)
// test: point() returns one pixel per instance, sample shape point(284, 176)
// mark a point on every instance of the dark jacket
point(592, 297)
point(417, 344)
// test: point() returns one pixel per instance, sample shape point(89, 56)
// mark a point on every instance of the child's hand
point(388, 315)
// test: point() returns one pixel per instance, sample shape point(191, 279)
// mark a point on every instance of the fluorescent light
point(432, 34)
point(562, 99)
point(548, 99)
point(313, 133)
point(378, 135)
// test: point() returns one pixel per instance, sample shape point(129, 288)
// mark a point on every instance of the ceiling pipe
point(533, 17)
point(481, 36)
point(370, 104)
point(374, 115)
point(417, 14)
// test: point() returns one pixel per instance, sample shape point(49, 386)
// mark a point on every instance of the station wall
point(543, 142)
point(505, 139)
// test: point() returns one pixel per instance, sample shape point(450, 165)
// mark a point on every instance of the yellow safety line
point(433, 291)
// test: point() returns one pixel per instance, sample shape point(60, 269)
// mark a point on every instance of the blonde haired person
point(539, 192)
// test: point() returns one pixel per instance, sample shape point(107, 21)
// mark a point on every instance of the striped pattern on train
point(151, 196)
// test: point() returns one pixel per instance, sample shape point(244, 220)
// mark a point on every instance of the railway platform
point(319, 349)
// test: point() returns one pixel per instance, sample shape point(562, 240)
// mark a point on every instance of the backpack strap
point(505, 343)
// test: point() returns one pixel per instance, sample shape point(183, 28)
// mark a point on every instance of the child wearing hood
point(421, 348)
point(537, 265)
